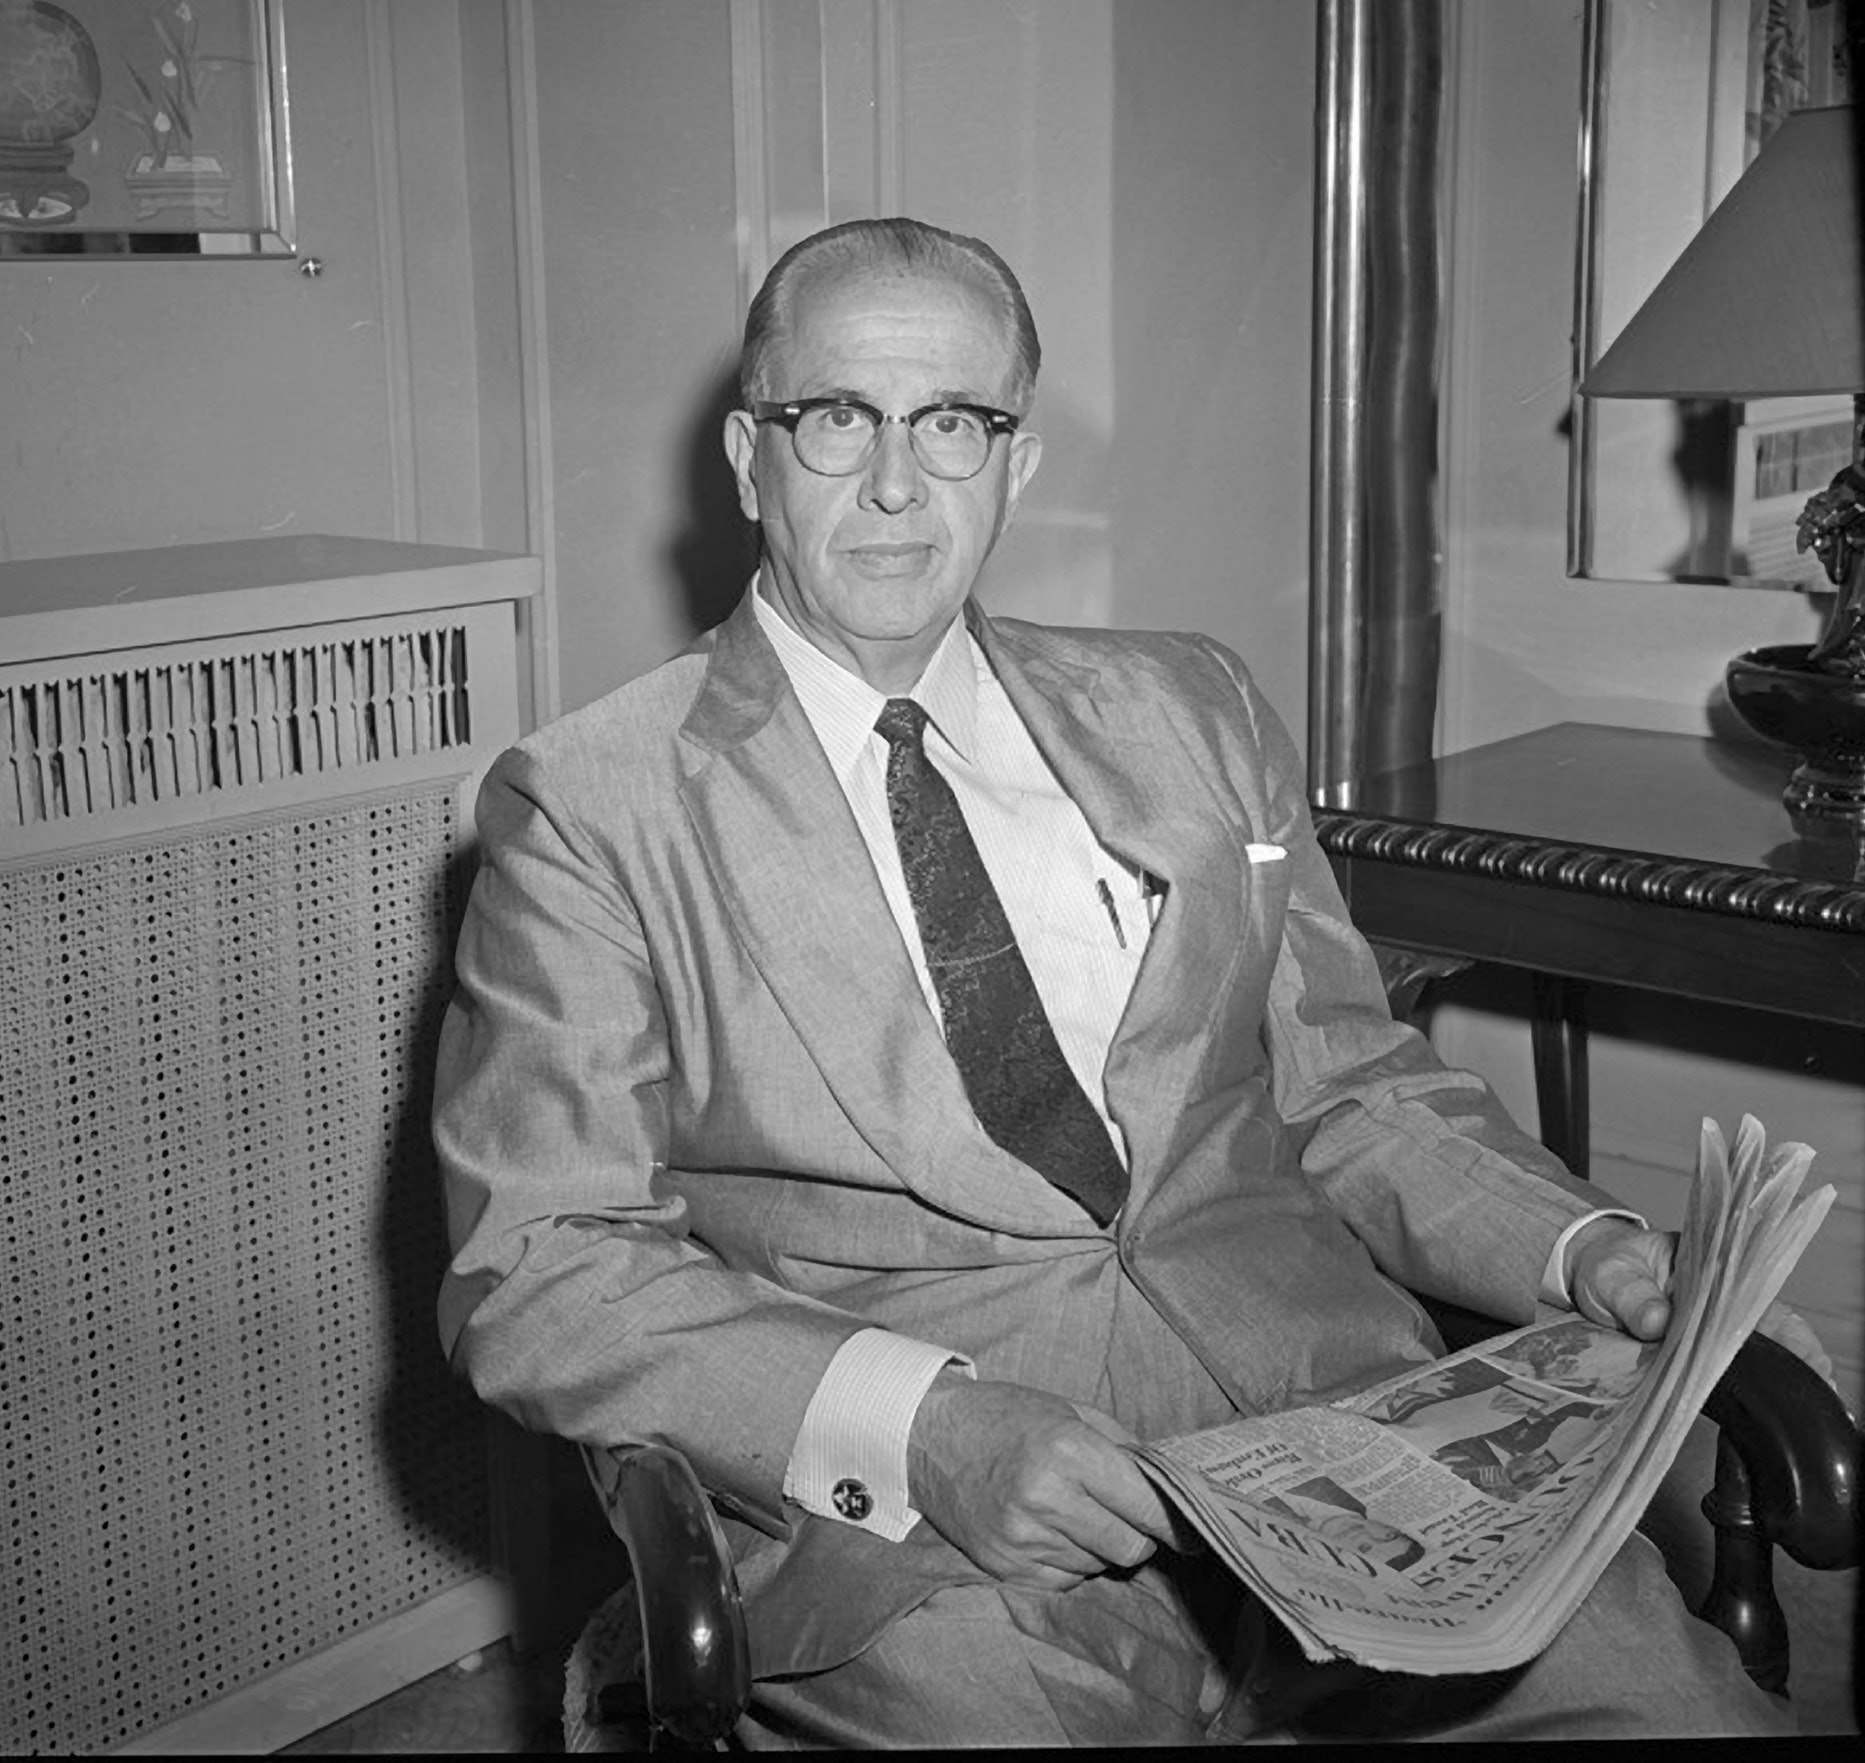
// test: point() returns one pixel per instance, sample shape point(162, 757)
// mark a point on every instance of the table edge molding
point(1699, 887)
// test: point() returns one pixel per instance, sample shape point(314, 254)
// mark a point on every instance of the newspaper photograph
point(1452, 1518)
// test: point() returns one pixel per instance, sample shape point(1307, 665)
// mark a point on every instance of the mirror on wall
point(1677, 96)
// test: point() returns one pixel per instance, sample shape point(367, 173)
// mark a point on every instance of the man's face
point(1530, 1467)
point(872, 567)
point(1366, 1536)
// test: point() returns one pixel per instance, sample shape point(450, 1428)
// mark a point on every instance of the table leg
point(1559, 1032)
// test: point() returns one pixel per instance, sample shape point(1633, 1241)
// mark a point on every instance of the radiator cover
point(228, 1440)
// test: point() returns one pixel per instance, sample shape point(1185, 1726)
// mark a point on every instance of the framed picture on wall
point(143, 127)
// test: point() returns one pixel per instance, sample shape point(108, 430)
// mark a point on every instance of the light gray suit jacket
point(697, 1125)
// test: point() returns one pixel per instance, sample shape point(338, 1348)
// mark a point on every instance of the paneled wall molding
point(817, 89)
point(861, 108)
point(534, 354)
point(391, 241)
point(889, 102)
point(749, 133)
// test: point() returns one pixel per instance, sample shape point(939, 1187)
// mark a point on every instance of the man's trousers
point(1150, 1658)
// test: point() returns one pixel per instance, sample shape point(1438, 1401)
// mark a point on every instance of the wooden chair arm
point(1789, 1463)
point(1797, 1446)
point(1787, 1473)
point(1799, 1449)
point(697, 1663)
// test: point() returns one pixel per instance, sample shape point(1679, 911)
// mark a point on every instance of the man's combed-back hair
point(898, 245)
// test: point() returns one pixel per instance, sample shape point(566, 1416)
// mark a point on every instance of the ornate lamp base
point(1821, 716)
point(1827, 794)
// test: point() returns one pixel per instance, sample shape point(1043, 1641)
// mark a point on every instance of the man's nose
point(893, 480)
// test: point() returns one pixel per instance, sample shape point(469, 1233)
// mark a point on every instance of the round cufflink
point(852, 1499)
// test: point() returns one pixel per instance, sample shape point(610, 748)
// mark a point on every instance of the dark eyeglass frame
point(790, 411)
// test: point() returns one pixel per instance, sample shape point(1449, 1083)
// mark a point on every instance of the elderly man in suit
point(900, 1056)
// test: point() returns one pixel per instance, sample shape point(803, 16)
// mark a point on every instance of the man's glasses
point(836, 437)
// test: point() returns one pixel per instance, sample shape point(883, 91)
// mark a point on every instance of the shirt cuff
point(849, 1461)
point(1554, 1287)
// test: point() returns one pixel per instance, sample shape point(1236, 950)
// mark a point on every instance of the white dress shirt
point(1081, 919)
point(1080, 916)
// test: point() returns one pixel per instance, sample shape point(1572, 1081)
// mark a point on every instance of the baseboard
point(305, 1697)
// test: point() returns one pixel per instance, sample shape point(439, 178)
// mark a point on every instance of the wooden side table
point(1585, 853)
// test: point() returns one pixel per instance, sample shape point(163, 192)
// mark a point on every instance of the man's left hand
point(1620, 1275)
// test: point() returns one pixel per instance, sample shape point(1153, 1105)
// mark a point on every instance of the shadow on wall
point(430, 1424)
point(714, 550)
point(478, 1490)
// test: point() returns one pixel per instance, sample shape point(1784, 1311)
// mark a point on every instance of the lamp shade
point(1768, 299)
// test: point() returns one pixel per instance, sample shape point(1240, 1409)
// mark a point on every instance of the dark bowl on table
point(1820, 716)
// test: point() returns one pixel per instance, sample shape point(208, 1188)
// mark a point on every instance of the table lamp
point(1766, 301)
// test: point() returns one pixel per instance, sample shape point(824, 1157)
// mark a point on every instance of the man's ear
point(1026, 452)
point(741, 448)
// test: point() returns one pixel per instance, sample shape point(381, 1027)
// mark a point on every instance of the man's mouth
point(894, 558)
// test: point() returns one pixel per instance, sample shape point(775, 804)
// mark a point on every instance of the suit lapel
point(1147, 801)
point(794, 875)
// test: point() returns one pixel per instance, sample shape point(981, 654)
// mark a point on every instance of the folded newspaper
point(1453, 1518)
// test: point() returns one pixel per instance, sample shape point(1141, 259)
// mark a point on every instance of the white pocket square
point(1265, 853)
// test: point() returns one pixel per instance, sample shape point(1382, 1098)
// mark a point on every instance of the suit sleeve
point(1422, 1160)
point(576, 1299)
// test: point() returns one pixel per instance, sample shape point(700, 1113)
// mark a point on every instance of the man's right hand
point(1029, 1489)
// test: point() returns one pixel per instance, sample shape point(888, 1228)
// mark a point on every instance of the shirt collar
point(842, 706)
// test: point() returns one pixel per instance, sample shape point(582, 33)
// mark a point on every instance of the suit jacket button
point(852, 1499)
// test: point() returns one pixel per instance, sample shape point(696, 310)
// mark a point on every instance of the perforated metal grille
point(226, 1435)
point(97, 735)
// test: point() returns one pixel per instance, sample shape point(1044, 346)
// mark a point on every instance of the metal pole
point(1336, 560)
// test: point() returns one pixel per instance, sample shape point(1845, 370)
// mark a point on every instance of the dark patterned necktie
point(1020, 1085)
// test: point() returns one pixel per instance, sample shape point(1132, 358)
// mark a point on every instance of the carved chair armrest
point(696, 1666)
point(1787, 1473)
point(1798, 1449)
point(1797, 1446)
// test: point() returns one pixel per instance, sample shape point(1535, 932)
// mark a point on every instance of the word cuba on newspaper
point(1452, 1518)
